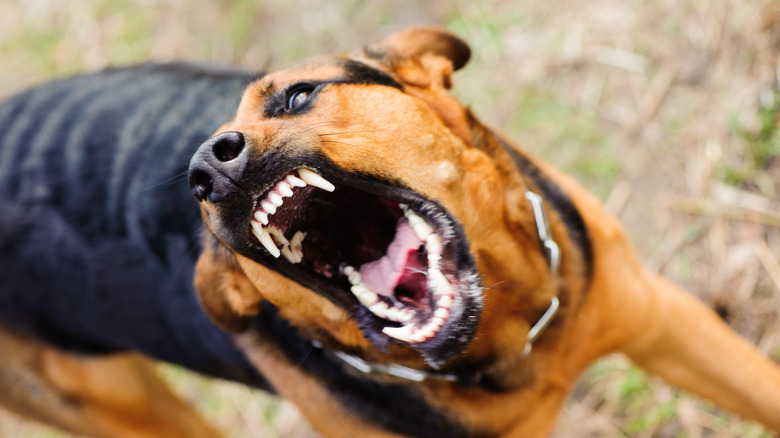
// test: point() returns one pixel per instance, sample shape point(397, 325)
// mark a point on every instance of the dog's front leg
point(687, 344)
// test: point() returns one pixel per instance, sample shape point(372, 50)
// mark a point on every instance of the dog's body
point(342, 188)
point(99, 234)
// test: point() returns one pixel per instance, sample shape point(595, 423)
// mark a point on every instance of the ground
point(666, 109)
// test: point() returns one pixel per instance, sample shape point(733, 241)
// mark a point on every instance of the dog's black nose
point(217, 166)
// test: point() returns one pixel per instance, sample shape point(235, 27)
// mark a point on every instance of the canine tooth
point(348, 270)
point(265, 239)
point(421, 228)
point(261, 217)
point(268, 207)
point(379, 309)
point(276, 199)
point(294, 181)
point(366, 296)
point(433, 244)
point(439, 282)
point(444, 301)
point(312, 178)
point(402, 333)
point(284, 189)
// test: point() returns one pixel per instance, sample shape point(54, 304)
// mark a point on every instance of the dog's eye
point(298, 96)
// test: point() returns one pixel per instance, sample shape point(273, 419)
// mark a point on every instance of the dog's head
point(356, 195)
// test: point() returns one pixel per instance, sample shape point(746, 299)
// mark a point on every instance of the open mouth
point(397, 259)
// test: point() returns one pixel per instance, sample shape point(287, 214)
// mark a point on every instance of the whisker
point(168, 181)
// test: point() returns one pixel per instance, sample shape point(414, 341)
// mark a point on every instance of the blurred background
point(667, 110)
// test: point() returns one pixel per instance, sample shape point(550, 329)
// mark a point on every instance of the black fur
point(558, 201)
point(99, 230)
point(397, 407)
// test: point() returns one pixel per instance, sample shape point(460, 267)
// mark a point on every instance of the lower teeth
point(409, 332)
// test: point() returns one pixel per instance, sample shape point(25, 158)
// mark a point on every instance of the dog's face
point(350, 192)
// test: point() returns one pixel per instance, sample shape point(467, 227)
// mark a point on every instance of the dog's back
point(98, 230)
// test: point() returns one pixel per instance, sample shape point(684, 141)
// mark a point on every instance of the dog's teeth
point(403, 315)
point(402, 333)
point(288, 254)
point(444, 301)
point(294, 181)
point(421, 228)
point(355, 277)
point(261, 217)
point(366, 296)
point(394, 314)
point(312, 178)
point(268, 207)
point(265, 239)
point(278, 236)
point(284, 189)
point(275, 199)
point(442, 313)
point(433, 261)
point(427, 331)
point(421, 334)
point(439, 282)
point(296, 245)
point(433, 244)
point(348, 270)
point(379, 309)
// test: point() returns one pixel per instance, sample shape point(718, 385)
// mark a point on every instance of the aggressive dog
point(369, 250)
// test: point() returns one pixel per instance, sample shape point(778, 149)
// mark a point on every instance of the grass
point(661, 98)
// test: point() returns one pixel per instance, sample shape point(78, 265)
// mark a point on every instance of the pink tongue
point(383, 275)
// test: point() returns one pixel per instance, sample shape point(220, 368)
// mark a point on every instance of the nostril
point(201, 184)
point(228, 146)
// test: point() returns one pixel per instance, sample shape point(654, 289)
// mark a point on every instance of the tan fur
point(118, 396)
point(427, 140)
point(431, 143)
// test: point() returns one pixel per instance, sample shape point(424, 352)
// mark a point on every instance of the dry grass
point(666, 109)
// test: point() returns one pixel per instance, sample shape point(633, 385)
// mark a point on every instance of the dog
point(364, 247)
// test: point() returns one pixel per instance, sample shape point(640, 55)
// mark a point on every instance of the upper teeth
point(312, 178)
point(421, 228)
point(271, 236)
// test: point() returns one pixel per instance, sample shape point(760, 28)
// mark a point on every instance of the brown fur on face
point(415, 135)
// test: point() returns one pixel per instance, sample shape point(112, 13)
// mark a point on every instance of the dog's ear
point(224, 291)
point(422, 56)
